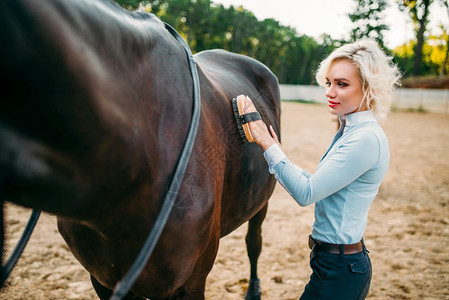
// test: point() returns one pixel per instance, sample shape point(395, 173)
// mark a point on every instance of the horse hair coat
point(95, 107)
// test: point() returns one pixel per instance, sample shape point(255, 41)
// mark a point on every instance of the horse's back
point(230, 74)
point(226, 69)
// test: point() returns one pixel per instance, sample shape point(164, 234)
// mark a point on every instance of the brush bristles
point(238, 120)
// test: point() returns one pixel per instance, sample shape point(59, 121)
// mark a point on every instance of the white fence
point(430, 100)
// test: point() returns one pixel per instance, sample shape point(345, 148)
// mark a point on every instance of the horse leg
point(194, 287)
point(104, 293)
point(254, 247)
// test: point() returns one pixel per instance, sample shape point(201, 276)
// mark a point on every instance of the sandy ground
point(407, 232)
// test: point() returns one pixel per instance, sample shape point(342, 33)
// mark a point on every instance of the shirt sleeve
point(273, 155)
point(353, 158)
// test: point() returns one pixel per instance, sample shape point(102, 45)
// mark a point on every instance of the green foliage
point(368, 19)
point(417, 9)
point(425, 55)
point(129, 4)
point(434, 57)
point(292, 57)
point(205, 25)
point(419, 12)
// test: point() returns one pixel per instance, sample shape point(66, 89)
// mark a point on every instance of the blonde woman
point(359, 78)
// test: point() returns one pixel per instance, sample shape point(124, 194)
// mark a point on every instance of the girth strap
point(123, 286)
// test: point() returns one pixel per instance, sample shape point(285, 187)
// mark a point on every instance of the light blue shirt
point(345, 183)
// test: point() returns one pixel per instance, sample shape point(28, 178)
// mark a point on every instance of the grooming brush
point(243, 119)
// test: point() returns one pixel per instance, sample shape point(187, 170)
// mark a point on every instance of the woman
point(359, 78)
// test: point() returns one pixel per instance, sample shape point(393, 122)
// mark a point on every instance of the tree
point(442, 42)
point(419, 12)
point(205, 25)
point(367, 20)
point(434, 55)
point(129, 4)
point(445, 37)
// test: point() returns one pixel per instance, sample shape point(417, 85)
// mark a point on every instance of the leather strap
point(250, 117)
point(123, 286)
point(6, 269)
point(334, 248)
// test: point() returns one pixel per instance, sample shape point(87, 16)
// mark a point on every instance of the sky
point(314, 17)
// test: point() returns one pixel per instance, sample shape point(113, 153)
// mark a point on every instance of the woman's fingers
point(274, 135)
point(263, 136)
point(249, 107)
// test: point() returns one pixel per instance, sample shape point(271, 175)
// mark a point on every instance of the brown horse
point(95, 108)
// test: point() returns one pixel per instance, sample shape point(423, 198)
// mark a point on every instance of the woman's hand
point(259, 130)
point(274, 135)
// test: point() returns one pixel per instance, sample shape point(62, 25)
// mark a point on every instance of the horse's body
point(92, 124)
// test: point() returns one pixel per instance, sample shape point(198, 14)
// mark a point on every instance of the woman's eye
point(328, 83)
point(341, 84)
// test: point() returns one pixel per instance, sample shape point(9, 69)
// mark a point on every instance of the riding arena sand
point(407, 232)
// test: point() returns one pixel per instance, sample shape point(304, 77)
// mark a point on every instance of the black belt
point(335, 248)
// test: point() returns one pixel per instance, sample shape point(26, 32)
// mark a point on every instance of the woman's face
point(344, 93)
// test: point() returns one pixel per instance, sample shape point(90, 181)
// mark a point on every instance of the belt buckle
point(312, 245)
point(311, 242)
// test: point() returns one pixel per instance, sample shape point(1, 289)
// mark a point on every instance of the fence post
point(421, 97)
point(398, 99)
point(446, 101)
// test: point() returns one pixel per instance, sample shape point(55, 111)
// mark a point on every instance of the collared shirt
point(345, 183)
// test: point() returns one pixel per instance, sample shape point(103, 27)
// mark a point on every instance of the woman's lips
point(332, 104)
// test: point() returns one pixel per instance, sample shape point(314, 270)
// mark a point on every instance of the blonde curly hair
point(376, 71)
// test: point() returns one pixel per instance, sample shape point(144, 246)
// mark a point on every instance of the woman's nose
point(330, 92)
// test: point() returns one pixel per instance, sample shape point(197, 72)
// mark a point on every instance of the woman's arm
point(352, 159)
